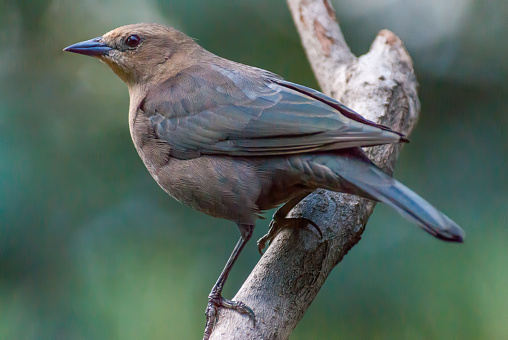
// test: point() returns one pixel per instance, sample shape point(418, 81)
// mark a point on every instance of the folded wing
point(250, 112)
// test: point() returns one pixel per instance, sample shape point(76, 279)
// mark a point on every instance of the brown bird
point(232, 140)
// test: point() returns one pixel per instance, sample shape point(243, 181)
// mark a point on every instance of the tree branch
point(382, 87)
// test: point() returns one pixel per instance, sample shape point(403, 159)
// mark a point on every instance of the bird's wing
point(250, 112)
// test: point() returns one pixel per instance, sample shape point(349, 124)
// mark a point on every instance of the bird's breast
point(154, 152)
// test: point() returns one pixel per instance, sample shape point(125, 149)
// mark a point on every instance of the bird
point(232, 140)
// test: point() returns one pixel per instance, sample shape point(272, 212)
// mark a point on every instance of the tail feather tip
point(452, 233)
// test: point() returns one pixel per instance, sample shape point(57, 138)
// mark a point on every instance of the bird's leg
point(280, 221)
point(215, 299)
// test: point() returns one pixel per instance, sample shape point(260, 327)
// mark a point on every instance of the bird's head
point(141, 53)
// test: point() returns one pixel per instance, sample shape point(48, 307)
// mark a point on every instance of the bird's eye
point(133, 40)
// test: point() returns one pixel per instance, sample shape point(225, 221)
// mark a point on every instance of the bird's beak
point(92, 47)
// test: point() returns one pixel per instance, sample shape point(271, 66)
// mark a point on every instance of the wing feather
point(244, 112)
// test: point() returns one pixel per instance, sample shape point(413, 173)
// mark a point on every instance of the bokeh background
point(91, 248)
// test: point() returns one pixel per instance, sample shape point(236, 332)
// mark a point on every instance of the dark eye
point(133, 40)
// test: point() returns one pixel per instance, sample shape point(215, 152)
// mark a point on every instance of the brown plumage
point(232, 140)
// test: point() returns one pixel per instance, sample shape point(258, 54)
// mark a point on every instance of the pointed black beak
point(92, 47)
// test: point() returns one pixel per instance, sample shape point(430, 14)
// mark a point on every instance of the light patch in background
point(448, 39)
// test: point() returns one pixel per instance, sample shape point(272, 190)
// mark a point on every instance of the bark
point(381, 86)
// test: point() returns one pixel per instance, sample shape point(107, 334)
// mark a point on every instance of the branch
point(380, 85)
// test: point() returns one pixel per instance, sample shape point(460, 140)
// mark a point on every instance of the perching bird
point(232, 140)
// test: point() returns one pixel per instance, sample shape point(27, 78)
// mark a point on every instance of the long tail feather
point(371, 180)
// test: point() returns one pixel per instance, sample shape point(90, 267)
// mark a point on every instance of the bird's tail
point(374, 183)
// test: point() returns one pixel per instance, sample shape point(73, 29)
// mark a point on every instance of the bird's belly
point(220, 187)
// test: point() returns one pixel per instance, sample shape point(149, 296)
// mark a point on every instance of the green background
point(92, 248)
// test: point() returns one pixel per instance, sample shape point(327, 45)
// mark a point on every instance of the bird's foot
point(215, 302)
point(277, 224)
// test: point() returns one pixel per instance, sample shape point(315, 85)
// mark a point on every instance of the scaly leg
point(215, 299)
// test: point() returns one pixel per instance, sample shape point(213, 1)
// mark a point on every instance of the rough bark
point(382, 87)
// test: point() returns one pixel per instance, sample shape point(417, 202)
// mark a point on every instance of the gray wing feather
point(245, 112)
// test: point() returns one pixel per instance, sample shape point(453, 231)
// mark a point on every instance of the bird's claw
point(277, 224)
point(217, 302)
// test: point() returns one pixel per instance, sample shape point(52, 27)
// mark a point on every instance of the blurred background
point(92, 248)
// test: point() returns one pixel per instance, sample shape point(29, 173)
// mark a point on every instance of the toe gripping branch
point(279, 223)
